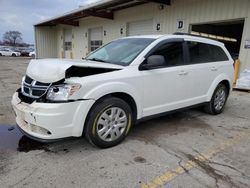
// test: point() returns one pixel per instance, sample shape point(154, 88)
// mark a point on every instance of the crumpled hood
point(53, 70)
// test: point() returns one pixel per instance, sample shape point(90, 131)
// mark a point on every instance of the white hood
point(53, 70)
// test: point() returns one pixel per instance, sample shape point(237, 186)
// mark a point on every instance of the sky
point(21, 15)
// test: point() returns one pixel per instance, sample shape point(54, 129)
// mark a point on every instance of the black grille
point(37, 92)
point(26, 90)
point(42, 84)
point(28, 80)
point(34, 89)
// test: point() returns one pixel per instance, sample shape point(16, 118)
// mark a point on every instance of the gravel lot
point(186, 149)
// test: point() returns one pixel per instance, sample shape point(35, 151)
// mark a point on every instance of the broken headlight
point(62, 92)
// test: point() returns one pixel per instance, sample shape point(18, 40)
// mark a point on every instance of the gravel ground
point(185, 149)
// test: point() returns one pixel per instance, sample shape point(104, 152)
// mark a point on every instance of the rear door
point(203, 67)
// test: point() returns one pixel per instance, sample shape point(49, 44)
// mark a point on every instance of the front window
point(120, 52)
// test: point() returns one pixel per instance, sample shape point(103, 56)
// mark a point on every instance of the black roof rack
point(180, 33)
point(189, 34)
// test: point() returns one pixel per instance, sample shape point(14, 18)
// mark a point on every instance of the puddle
point(12, 139)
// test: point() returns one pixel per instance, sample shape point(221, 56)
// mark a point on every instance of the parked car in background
point(124, 82)
point(32, 54)
point(26, 51)
point(15, 49)
point(9, 52)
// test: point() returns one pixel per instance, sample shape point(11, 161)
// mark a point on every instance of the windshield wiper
point(96, 59)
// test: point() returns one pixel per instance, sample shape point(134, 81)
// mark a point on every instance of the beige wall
point(191, 11)
point(46, 42)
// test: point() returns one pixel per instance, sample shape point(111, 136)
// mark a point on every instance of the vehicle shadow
point(12, 139)
point(168, 125)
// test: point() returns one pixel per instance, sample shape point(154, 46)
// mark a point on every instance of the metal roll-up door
point(143, 27)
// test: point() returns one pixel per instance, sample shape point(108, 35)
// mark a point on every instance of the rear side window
point(205, 53)
point(172, 52)
point(199, 53)
point(218, 53)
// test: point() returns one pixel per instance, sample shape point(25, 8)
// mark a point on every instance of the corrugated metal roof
point(103, 9)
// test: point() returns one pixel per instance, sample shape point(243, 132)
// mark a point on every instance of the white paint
point(154, 91)
point(53, 70)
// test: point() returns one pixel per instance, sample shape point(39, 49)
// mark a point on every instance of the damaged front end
point(32, 90)
point(49, 105)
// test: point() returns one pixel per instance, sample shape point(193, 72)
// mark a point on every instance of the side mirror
point(153, 62)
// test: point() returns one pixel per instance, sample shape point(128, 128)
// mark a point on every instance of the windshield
point(120, 52)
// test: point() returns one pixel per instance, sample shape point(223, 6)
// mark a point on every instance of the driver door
point(166, 88)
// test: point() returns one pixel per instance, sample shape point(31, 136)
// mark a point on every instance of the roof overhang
point(103, 9)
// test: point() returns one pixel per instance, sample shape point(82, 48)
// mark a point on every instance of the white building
point(76, 33)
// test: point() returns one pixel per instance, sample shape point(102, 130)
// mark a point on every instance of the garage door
point(144, 27)
point(95, 38)
point(228, 32)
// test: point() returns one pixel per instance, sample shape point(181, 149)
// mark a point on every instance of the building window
point(67, 46)
point(94, 44)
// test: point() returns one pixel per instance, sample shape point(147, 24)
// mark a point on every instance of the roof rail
point(189, 34)
point(180, 33)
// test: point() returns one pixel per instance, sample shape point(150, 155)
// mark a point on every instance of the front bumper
point(51, 121)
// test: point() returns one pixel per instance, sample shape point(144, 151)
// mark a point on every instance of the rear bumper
point(51, 121)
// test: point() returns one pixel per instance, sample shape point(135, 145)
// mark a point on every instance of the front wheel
point(108, 122)
point(13, 55)
point(218, 101)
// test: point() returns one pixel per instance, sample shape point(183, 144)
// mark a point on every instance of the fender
point(116, 87)
point(215, 83)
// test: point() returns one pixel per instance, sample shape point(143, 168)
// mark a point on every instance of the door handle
point(183, 73)
point(214, 69)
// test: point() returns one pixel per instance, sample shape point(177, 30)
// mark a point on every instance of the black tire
point(13, 55)
point(212, 107)
point(33, 56)
point(103, 106)
point(0, 54)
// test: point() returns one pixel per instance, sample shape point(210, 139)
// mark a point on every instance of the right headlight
point(62, 92)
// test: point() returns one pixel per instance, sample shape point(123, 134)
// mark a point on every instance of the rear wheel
point(13, 55)
point(218, 101)
point(108, 122)
point(0, 54)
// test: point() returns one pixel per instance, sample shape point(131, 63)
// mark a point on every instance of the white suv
point(127, 80)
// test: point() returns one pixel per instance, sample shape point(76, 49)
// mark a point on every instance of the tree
point(12, 37)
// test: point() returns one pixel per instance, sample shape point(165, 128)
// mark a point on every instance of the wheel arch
point(220, 79)
point(127, 98)
point(120, 90)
